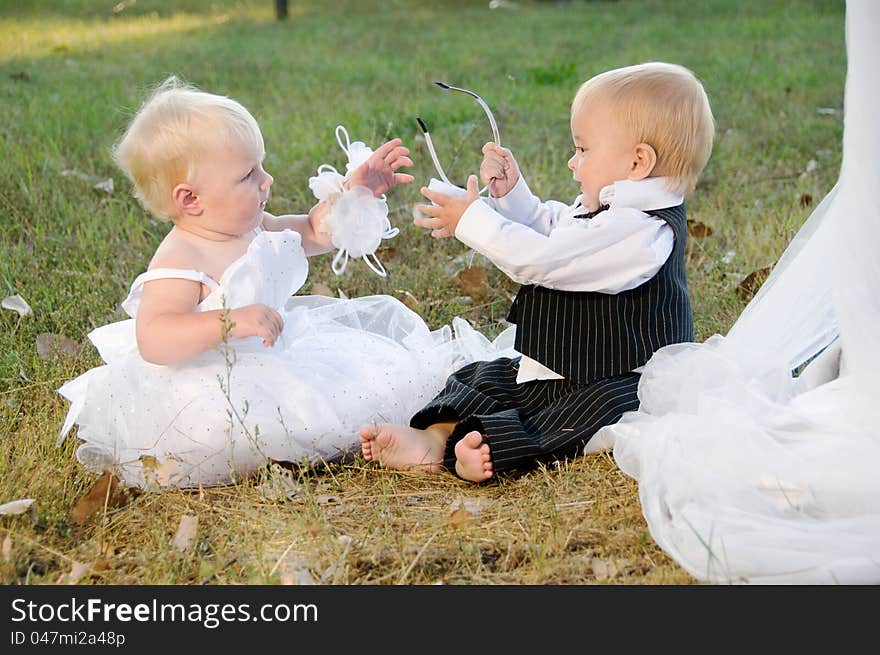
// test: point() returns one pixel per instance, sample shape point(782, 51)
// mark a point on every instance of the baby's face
point(603, 151)
point(233, 188)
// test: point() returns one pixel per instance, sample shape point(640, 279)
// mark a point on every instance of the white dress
point(338, 364)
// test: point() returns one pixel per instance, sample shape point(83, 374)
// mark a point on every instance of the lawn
point(73, 71)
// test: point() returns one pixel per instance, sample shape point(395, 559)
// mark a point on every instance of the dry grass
point(575, 523)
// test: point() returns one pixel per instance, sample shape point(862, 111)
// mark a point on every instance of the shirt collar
point(649, 193)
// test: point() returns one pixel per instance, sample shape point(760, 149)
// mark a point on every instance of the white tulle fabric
point(338, 364)
point(750, 474)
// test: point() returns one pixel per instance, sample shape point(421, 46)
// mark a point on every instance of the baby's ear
point(643, 162)
point(185, 200)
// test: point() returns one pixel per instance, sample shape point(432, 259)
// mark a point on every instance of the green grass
point(72, 73)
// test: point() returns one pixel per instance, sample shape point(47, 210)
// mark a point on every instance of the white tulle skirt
point(338, 365)
point(747, 479)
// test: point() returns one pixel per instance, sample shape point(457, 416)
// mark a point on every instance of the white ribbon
point(357, 220)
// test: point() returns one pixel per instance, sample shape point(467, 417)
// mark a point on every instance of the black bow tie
point(590, 215)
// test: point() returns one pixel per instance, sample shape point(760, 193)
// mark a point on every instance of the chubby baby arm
point(171, 331)
point(315, 239)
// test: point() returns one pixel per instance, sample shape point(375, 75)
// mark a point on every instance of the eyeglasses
point(495, 134)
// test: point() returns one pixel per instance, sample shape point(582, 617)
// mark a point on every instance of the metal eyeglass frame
point(495, 134)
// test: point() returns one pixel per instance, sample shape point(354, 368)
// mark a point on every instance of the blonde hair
point(666, 107)
point(171, 132)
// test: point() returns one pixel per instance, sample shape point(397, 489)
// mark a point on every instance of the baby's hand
point(256, 321)
point(499, 170)
point(443, 216)
point(378, 172)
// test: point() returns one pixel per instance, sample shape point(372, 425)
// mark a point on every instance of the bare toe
point(366, 436)
point(473, 459)
point(474, 439)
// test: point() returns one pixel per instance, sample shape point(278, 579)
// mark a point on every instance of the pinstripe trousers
point(528, 423)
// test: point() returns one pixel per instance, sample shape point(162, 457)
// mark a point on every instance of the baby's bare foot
point(404, 448)
point(473, 460)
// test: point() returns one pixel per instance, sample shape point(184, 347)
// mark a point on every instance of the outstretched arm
point(378, 173)
point(607, 255)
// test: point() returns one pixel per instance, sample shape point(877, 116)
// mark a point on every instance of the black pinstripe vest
point(586, 336)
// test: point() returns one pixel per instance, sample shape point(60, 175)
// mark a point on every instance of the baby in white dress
point(220, 367)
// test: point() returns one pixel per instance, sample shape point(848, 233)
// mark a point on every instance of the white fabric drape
point(746, 473)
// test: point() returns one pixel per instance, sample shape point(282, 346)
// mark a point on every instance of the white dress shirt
point(535, 242)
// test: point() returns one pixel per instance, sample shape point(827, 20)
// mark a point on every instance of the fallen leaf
point(603, 569)
point(186, 532)
point(106, 489)
point(460, 517)
point(98, 548)
point(321, 289)
point(77, 571)
point(386, 254)
point(474, 282)
point(16, 506)
point(70, 172)
point(6, 549)
point(752, 282)
point(293, 568)
point(806, 200)
point(811, 167)
point(304, 577)
point(18, 304)
point(52, 344)
point(296, 572)
point(100, 565)
point(698, 230)
point(105, 185)
point(503, 4)
point(296, 576)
